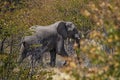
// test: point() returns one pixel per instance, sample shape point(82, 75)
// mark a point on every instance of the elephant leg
point(40, 54)
point(45, 48)
point(32, 63)
point(40, 60)
point(52, 58)
point(60, 47)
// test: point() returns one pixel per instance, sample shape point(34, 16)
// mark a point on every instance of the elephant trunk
point(77, 39)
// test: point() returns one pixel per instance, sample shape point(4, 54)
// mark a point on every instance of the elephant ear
point(62, 30)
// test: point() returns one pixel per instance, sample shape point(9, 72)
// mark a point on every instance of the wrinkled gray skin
point(51, 39)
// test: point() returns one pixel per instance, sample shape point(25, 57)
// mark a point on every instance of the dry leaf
point(86, 13)
point(73, 65)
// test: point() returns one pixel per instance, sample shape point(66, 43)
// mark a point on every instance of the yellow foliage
point(98, 24)
point(117, 64)
point(102, 4)
point(92, 70)
point(95, 18)
point(3, 56)
point(73, 65)
point(110, 40)
point(105, 68)
point(92, 50)
point(116, 37)
point(93, 7)
point(81, 42)
point(101, 22)
point(16, 70)
point(84, 48)
point(100, 72)
point(109, 6)
point(95, 34)
point(75, 46)
point(98, 48)
point(86, 13)
point(101, 58)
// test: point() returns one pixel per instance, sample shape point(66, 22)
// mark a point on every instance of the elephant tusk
point(77, 36)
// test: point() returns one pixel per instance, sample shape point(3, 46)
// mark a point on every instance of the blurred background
point(99, 25)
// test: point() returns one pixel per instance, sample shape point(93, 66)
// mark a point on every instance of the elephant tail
point(23, 52)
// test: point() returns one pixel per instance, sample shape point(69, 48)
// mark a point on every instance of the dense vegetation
point(98, 21)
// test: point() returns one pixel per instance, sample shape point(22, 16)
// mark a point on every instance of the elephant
point(49, 39)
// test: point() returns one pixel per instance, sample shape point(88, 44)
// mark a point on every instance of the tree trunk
point(11, 44)
point(2, 45)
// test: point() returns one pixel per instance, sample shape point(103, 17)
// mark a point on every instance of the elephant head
point(69, 30)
